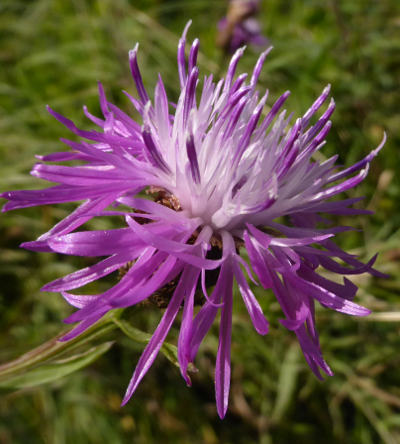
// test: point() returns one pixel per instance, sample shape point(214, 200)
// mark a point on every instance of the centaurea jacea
point(228, 177)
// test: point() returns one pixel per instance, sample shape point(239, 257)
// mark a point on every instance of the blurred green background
point(53, 52)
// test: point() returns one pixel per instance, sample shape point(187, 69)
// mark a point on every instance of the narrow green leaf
point(286, 382)
point(55, 370)
point(54, 348)
point(170, 351)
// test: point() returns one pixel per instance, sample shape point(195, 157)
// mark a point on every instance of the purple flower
point(226, 180)
point(240, 27)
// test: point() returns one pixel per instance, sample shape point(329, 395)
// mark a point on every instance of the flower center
point(164, 197)
point(161, 297)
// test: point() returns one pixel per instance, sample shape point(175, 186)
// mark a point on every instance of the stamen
point(192, 156)
point(155, 157)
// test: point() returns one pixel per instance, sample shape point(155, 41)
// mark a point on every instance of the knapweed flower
point(225, 179)
point(240, 27)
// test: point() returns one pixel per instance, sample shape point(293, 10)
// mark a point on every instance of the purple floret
point(224, 177)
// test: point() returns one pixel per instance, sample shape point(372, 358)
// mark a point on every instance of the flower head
point(240, 27)
point(224, 178)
